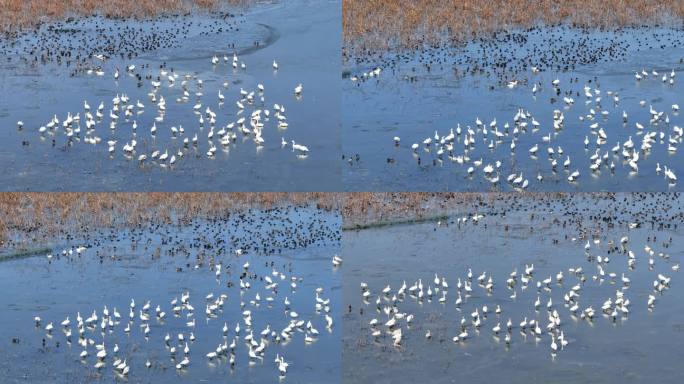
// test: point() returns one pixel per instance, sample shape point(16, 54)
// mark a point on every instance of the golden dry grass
point(44, 215)
point(16, 14)
point(382, 24)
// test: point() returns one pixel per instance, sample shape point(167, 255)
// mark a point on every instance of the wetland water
point(428, 95)
point(549, 233)
point(302, 36)
point(155, 264)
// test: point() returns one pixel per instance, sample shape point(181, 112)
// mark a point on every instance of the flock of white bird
point(602, 151)
point(251, 112)
point(545, 319)
point(96, 333)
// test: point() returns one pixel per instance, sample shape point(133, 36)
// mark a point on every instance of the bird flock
point(94, 331)
point(602, 150)
point(74, 42)
point(120, 123)
point(270, 305)
point(590, 98)
point(506, 54)
point(479, 296)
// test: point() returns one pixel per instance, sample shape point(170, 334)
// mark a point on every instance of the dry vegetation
point(44, 215)
point(383, 24)
point(364, 208)
point(16, 14)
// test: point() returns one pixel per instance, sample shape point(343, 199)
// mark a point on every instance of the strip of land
point(366, 210)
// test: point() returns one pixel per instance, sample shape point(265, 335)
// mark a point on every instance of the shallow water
point(412, 102)
point(158, 263)
point(301, 35)
point(635, 348)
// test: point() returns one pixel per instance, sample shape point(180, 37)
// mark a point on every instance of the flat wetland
point(511, 97)
point(446, 331)
point(202, 100)
point(264, 272)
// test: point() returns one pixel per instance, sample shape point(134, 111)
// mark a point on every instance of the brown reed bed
point(41, 216)
point(372, 25)
point(19, 14)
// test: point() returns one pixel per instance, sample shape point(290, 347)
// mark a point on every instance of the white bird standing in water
point(121, 110)
point(299, 147)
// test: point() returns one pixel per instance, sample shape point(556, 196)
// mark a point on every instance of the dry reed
point(18, 14)
point(44, 215)
point(386, 24)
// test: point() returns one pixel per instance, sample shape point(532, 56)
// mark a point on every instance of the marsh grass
point(376, 25)
point(18, 14)
point(34, 217)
